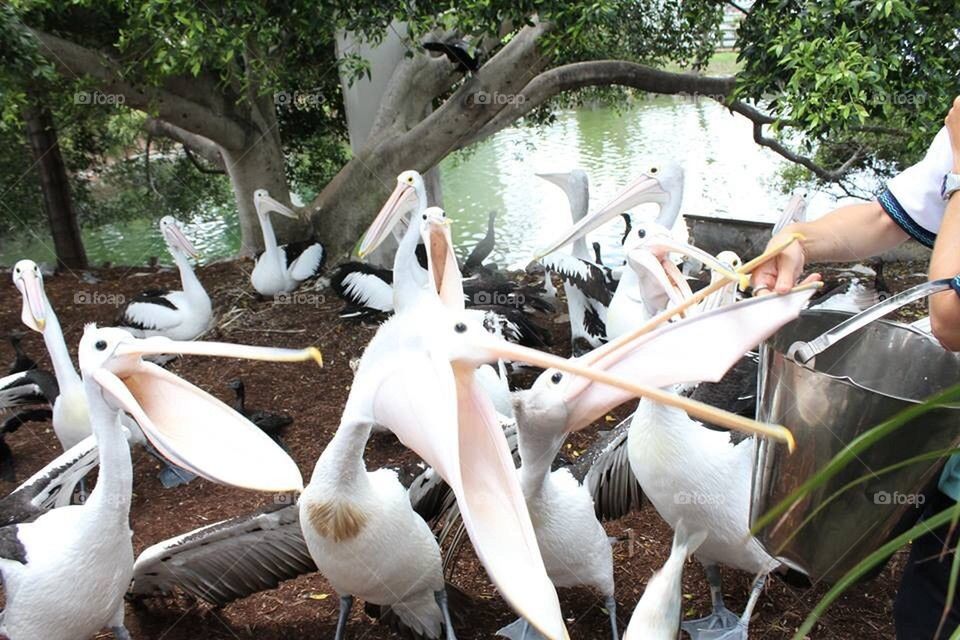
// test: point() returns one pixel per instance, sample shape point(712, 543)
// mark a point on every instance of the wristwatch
point(955, 284)
point(951, 184)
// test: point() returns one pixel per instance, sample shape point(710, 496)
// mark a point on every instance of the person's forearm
point(853, 232)
point(945, 263)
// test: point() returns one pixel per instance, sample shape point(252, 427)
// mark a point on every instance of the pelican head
point(266, 204)
point(174, 237)
point(188, 426)
point(661, 184)
point(576, 185)
point(29, 281)
point(409, 195)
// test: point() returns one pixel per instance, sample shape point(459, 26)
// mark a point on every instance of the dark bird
point(270, 423)
point(483, 248)
point(22, 361)
point(456, 52)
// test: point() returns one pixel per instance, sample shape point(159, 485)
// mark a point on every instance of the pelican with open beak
point(660, 184)
point(282, 268)
point(65, 573)
point(180, 315)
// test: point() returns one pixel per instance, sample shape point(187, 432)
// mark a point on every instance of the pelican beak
point(684, 351)
point(662, 245)
point(659, 285)
point(268, 204)
point(34, 313)
point(435, 408)
point(401, 201)
point(178, 238)
point(190, 427)
point(643, 189)
point(444, 272)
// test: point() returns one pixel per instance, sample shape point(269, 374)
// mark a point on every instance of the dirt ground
point(306, 607)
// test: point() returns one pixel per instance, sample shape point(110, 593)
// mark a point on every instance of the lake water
point(726, 175)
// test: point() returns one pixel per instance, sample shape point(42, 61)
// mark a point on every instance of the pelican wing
point(586, 276)
point(50, 487)
point(152, 310)
point(228, 560)
point(304, 259)
point(361, 285)
point(608, 476)
point(27, 387)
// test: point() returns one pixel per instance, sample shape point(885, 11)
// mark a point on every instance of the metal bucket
point(857, 380)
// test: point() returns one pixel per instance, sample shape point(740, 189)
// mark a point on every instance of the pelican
point(657, 615)
point(65, 573)
point(281, 269)
point(661, 184)
point(71, 418)
point(584, 281)
point(368, 288)
point(178, 315)
point(71, 422)
point(714, 495)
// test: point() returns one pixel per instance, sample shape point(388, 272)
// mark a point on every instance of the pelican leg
point(611, 605)
point(116, 626)
point(120, 633)
point(441, 597)
point(740, 631)
point(520, 629)
point(346, 603)
point(721, 621)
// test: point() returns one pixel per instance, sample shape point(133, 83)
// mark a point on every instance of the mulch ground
point(307, 607)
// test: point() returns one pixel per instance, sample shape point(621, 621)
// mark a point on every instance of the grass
point(723, 63)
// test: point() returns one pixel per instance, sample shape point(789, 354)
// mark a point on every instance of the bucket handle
point(805, 352)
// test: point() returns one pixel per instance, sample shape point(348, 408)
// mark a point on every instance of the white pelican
point(661, 184)
point(281, 269)
point(178, 315)
point(714, 493)
point(584, 281)
point(657, 615)
point(66, 572)
point(71, 422)
point(71, 418)
point(369, 288)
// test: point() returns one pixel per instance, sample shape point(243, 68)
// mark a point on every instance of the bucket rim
point(847, 380)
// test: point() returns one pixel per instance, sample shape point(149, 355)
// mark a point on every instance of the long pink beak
point(401, 201)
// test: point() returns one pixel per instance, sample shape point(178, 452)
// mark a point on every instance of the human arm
point(945, 262)
point(852, 232)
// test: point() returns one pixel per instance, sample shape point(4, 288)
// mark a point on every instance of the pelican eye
point(641, 233)
point(460, 327)
point(556, 377)
point(424, 216)
point(101, 345)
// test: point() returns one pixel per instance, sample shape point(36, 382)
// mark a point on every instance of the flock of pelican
point(435, 375)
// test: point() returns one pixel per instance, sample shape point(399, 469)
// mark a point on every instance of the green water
point(726, 175)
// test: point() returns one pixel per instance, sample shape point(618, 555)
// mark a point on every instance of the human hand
point(779, 274)
point(952, 122)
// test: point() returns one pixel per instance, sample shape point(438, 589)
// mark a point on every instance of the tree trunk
point(55, 185)
point(260, 166)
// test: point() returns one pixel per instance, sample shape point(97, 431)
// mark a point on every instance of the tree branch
point(759, 119)
point(192, 115)
point(579, 75)
point(207, 148)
